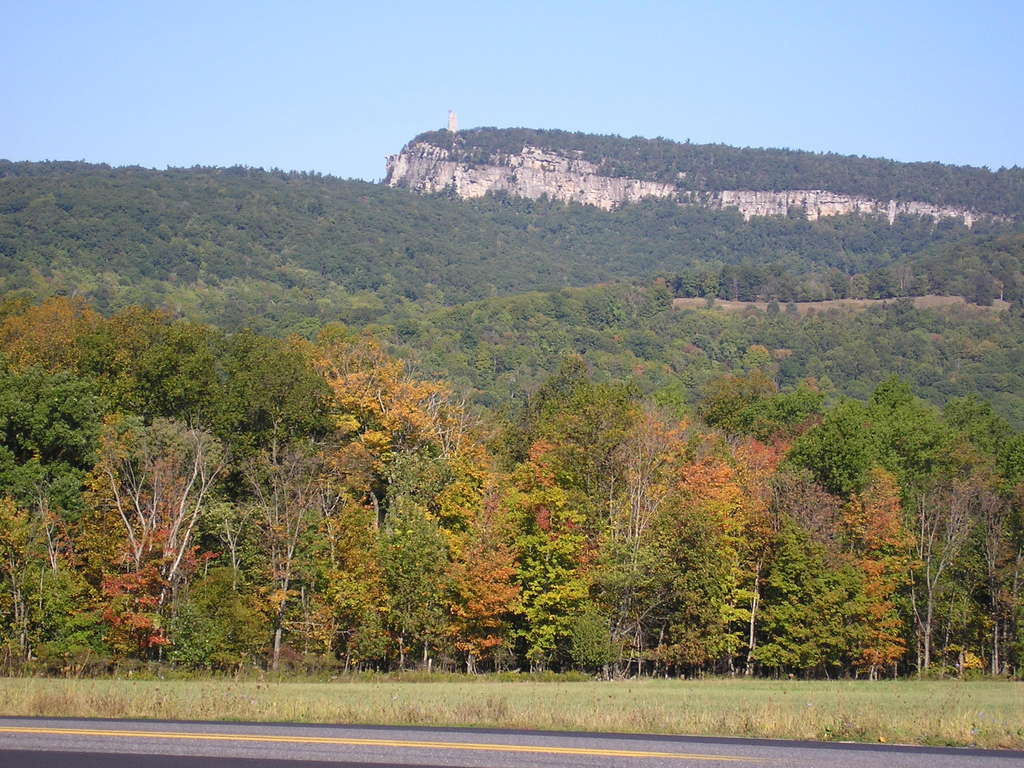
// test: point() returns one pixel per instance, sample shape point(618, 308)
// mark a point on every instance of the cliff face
point(533, 172)
point(818, 202)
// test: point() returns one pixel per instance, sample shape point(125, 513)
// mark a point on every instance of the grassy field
point(988, 714)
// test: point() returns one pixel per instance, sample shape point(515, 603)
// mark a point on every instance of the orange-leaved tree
point(153, 483)
point(878, 543)
point(485, 593)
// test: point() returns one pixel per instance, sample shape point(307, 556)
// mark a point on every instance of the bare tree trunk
point(752, 636)
point(20, 618)
point(944, 521)
point(287, 492)
point(994, 512)
point(928, 634)
point(918, 633)
point(1015, 590)
point(995, 649)
point(377, 517)
point(277, 642)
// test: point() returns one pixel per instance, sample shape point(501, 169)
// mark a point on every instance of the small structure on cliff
point(453, 121)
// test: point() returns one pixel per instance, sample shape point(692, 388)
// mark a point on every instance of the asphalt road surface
point(65, 743)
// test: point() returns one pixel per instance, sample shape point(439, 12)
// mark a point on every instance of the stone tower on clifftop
point(453, 121)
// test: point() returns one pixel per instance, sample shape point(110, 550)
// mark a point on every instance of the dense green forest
point(284, 252)
point(713, 167)
point(178, 495)
point(499, 349)
point(979, 268)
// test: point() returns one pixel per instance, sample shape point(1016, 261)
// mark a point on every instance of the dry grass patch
point(988, 714)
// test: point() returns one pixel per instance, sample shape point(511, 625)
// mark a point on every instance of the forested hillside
point(714, 167)
point(286, 252)
point(979, 268)
point(500, 349)
point(274, 250)
point(173, 494)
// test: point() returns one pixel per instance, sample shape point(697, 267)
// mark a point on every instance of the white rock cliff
point(531, 173)
point(425, 168)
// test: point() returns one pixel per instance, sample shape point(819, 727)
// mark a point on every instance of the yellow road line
point(369, 743)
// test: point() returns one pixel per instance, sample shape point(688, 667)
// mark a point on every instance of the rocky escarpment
point(531, 173)
point(567, 176)
point(818, 202)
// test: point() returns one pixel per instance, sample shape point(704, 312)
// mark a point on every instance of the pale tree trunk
point(994, 515)
point(278, 629)
point(943, 523)
point(159, 486)
point(288, 493)
point(233, 526)
point(752, 635)
point(1015, 589)
point(51, 528)
point(646, 458)
point(20, 607)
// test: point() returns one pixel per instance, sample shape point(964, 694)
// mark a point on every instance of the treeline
point(980, 270)
point(496, 349)
point(713, 167)
point(283, 252)
point(175, 494)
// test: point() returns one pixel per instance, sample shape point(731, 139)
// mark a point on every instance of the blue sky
point(335, 86)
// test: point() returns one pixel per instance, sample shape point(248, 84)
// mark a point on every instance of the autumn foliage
point(171, 494)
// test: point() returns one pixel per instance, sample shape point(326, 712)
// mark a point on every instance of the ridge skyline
point(510, 128)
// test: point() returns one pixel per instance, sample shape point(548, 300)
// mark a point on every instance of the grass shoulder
point(988, 713)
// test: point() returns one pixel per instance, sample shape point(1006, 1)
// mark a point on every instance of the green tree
point(591, 646)
point(840, 450)
point(549, 549)
point(808, 605)
point(215, 626)
point(49, 424)
point(414, 558)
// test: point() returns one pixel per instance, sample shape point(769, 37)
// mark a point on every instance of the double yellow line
point(399, 743)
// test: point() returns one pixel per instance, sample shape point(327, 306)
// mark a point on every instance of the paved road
point(38, 743)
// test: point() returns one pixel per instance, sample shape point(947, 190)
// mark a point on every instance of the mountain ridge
point(200, 240)
point(590, 168)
